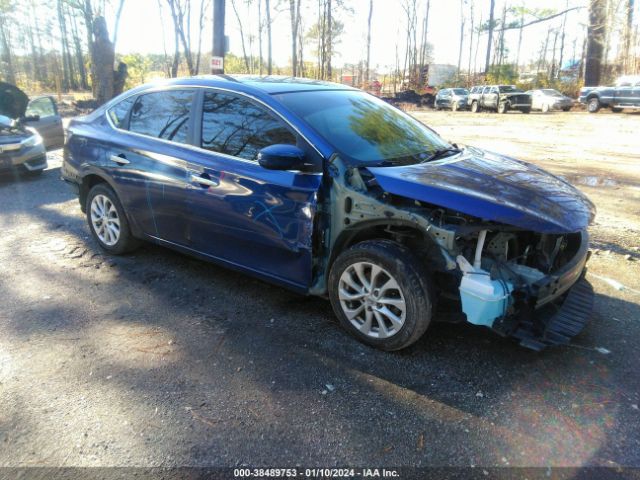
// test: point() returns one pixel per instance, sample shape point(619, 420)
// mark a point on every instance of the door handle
point(204, 181)
point(120, 159)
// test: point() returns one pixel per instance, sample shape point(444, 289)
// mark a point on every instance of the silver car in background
point(548, 99)
point(453, 98)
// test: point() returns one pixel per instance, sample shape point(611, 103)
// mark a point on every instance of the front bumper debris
point(546, 328)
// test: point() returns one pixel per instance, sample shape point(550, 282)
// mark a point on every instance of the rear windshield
point(363, 128)
point(460, 91)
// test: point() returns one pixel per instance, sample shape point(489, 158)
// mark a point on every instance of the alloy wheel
point(372, 300)
point(105, 220)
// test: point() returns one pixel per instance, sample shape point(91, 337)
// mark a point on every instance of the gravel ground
point(157, 359)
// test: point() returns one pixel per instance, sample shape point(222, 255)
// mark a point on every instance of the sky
point(141, 29)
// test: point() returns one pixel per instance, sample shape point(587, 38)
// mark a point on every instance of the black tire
point(125, 241)
point(616, 109)
point(503, 107)
point(475, 108)
point(526, 110)
point(593, 105)
point(566, 109)
point(414, 287)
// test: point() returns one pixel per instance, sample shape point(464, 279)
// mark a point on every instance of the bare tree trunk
point(203, 7)
point(366, 73)
point(103, 59)
point(269, 45)
point(329, 40)
point(79, 55)
point(66, 75)
point(294, 11)
point(628, 34)
point(596, 32)
point(471, 32)
point(562, 39)
point(552, 70)
point(475, 55)
point(462, 21)
point(487, 62)
point(244, 49)
point(260, 28)
point(520, 29)
point(423, 45)
point(116, 25)
point(178, 16)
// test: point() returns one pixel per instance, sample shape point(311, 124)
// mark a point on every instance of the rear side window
point(239, 127)
point(119, 113)
point(163, 115)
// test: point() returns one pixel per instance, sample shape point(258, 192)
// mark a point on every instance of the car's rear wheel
point(616, 109)
point(475, 107)
point(545, 108)
point(566, 109)
point(593, 105)
point(526, 110)
point(381, 294)
point(107, 220)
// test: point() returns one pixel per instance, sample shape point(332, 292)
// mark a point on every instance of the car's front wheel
point(381, 294)
point(503, 107)
point(475, 108)
point(454, 107)
point(107, 220)
point(593, 105)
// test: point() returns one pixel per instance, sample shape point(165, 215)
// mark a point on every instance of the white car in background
point(548, 99)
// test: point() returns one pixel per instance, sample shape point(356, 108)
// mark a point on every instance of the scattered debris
point(602, 350)
point(634, 406)
point(480, 394)
point(330, 387)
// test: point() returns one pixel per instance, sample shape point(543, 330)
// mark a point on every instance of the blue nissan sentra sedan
point(329, 191)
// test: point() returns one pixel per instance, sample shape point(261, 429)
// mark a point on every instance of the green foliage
point(505, 73)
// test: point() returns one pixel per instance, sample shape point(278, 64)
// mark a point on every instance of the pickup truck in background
point(625, 94)
point(499, 98)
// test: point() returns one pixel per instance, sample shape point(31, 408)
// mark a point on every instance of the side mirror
point(282, 157)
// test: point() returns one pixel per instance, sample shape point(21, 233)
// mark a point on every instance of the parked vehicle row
point(330, 191)
point(501, 99)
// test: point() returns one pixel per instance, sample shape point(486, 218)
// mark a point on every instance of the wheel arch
point(400, 231)
point(89, 181)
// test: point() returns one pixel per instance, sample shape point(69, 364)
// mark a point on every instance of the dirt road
point(156, 359)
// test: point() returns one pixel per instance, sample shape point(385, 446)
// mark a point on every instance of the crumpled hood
point(492, 187)
point(13, 101)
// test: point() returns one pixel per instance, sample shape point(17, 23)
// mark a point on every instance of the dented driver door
point(239, 212)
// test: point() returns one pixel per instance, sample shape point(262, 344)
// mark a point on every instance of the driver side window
point(239, 127)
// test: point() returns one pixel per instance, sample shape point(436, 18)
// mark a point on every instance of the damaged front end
point(526, 285)
point(513, 260)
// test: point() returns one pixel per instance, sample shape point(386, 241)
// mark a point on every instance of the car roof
point(271, 84)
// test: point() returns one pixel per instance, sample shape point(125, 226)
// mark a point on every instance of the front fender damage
point(521, 283)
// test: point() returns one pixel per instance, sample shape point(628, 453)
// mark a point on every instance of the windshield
point(460, 91)
point(363, 128)
point(551, 92)
point(508, 89)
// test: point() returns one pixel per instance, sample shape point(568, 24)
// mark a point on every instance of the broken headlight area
point(521, 284)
